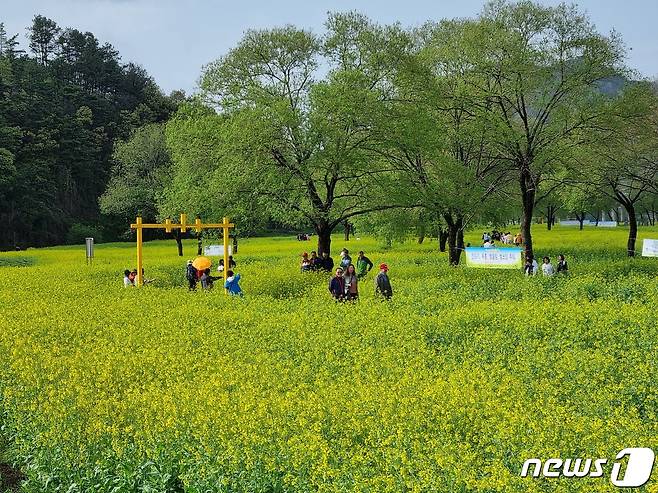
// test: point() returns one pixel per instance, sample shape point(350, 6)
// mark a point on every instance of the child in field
point(562, 267)
point(132, 276)
point(232, 283)
point(220, 267)
point(547, 267)
point(351, 283)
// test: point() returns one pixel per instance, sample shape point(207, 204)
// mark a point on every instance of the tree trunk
point(421, 234)
point(598, 215)
point(348, 227)
point(235, 243)
point(632, 228)
point(581, 220)
point(528, 202)
point(455, 237)
point(550, 215)
point(443, 239)
point(324, 238)
point(199, 244)
point(179, 242)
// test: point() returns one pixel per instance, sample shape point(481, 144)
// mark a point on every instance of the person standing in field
point(231, 262)
point(518, 240)
point(547, 267)
point(327, 262)
point(232, 284)
point(351, 284)
point(127, 283)
point(383, 283)
point(363, 265)
point(191, 275)
point(345, 259)
point(337, 285)
point(562, 267)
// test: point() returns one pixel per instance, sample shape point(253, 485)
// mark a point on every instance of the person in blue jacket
point(232, 283)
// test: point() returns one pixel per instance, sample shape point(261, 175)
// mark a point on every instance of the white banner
point(607, 224)
point(494, 258)
point(216, 250)
point(575, 223)
point(650, 248)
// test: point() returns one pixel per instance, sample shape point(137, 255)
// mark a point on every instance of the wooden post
point(225, 227)
point(140, 277)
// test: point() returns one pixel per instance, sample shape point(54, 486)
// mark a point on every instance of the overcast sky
point(173, 39)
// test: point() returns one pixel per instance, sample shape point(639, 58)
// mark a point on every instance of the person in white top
point(127, 283)
point(547, 267)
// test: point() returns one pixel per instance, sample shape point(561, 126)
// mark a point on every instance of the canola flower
point(449, 387)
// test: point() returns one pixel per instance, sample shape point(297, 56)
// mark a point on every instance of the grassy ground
point(449, 387)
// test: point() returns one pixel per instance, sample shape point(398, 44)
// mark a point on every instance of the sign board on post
point(494, 258)
point(649, 248)
point(89, 246)
point(216, 250)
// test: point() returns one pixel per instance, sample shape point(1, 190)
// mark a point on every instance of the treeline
point(65, 100)
point(522, 111)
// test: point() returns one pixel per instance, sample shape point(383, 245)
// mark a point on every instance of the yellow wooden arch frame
point(168, 226)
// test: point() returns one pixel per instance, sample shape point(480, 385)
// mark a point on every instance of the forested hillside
point(64, 101)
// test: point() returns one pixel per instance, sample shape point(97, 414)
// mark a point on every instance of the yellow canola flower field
point(449, 387)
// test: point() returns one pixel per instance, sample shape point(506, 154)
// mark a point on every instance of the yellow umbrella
point(202, 263)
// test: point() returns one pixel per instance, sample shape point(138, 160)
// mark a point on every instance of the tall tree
point(622, 163)
point(298, 138)
point(43, 36)
point(544, 69)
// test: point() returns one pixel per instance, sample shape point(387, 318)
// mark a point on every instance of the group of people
point(531, 267)
point(344, 285)
point(196, 276)
point(313, 263)
point(488, 240)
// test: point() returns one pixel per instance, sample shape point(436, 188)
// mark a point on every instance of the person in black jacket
point(316, 262)
point(337, 285)
point(383, 283)
point(327, 262)
point(191, 275)
point(562, 267)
